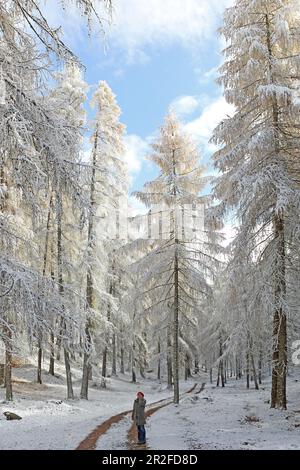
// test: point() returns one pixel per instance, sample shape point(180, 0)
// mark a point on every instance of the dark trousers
point(141, 433)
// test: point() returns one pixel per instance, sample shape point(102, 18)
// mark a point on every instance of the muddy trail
point(90, 442)
point(132, 433)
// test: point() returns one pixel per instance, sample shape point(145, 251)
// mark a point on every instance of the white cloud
point(135, 151)
point(202, 127)
point(184, 105)
point(138, 23)
point(141, 22)
point(207, 76)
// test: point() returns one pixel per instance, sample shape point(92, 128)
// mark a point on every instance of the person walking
point(138, 416)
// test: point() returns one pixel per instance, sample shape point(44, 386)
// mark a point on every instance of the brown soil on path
point(132, 433)
point(89, 443)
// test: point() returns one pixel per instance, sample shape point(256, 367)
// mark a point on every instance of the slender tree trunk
point(8, 363)
point(70, 392)
point(45, 259)
point(104, 362)
point(218, 376)
point(51, 362)
point(52, 340)
point(86, 369)
point(133, 364)
point(248, 367)
point(122, 368)
point(260, 360)
point(2, 373)
point(210, 375)
point(90, 300)
point(105, 351)
point(176, 326)
point(169, 360)
point(222, 373)
point(254, 372)
point(187, 369)
point(221, 365)
point(196, 366)
point(39, 368)
point(279, 366)
point(114, 355)
point(158, 362)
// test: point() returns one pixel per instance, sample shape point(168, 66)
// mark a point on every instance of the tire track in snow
point(90, 442)
point(132, 433)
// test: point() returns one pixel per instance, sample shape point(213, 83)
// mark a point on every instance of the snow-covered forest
point(96, 299)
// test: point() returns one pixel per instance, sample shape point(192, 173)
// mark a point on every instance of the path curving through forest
point(132, 433)
point(90, 442)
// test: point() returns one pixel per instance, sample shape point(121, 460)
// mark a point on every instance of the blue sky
point(156, 54)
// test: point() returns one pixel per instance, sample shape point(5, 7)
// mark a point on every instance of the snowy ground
point(229, 418)
point(52, 422)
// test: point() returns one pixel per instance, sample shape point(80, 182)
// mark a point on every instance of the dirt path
point(89, 443)
point(132, 433)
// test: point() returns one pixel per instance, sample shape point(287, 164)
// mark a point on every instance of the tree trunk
point(222, 373)
point(70, 392)
point(104, 362)
point(8, 362)
point(133, 373)
point(39, 368)
point(218, 377)
point(86, 369)
point(51, 362)
point(89, 296)
point(260, 360)
point(248, 367)
point(158, 362)
point(196, 366)
point(221, 365)
point(254, 372)
point(187, 369)
point(45, 258)
point(114, 356)
point(176, 326)
point(122, 368)
point(279, 366)
point(2, 372)
point(169, 360)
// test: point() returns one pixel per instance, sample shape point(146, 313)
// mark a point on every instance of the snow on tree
point(108, 196)
point(36, 144)
point(26, 18)
point(177, 272)
point(259, 149)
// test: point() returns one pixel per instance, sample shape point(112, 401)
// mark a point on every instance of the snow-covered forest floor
point(228, 418)
point(52, 422)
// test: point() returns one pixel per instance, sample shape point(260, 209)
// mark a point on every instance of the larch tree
point(108, 196)
point(36, 143)
point(259, 148)
point(176, 274)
